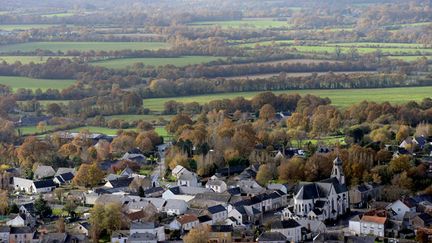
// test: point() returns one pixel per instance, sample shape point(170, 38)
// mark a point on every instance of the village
point(230, 206)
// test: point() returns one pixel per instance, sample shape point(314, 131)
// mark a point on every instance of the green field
point(26, 130)
point(265, 43)
point(148, 118)
point(263, 23)
point(82, 46)
point(378, 44)
point(176, 61)
point(109, 131)
point(340, 98)
point(10, 27)
point(27, 59)
point(364, 50)
point(32, 83)
point(409, 58)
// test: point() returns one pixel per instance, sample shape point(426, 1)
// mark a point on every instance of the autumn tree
point(292, 170)
point(400, 164)
point(177, 121)
point(198, 235)
point(4, 202)
point(60, 225)
point(267, 112)
point(402, 133)
point(318, 167)
point(88, 175)
point(263, 175)
point(34, 151)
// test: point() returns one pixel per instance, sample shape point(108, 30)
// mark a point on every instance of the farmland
point(177, 61)
point(27, 59)
point(32, 83)
point(340, 98)
point(82, 46)
point(24, 26)
point(260, 23)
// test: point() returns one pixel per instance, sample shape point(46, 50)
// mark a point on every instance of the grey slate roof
point(44, 183)
point(285, 224)
point(216, 209)
point(271, 236)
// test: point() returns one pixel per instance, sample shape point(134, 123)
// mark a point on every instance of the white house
point(188, 179)
point(150, 228)
point(217, 213)
point(290, 228)
point(43, 171)
point(398, 209)
point(175, 207)
point(185, 222)
point(18, 221)
point(29, 186)
point(216, 185)
point(371, 223)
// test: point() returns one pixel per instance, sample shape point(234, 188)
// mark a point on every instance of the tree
point(400, 164)
point(42, 209)
point(96, 221)
point(177, 121)
point(4, 202)
point(60, 225)
point(263, 175)
point(402, 133)
point(54, 109)
point(34, 151)
point(70, 207)
point(197, 235)
point(112, 219)
point(318, 167)
point(88, 175)
point(292, 170)
point(267, 112)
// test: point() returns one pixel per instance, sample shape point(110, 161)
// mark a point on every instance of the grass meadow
point(32, 83)
point(176, 61)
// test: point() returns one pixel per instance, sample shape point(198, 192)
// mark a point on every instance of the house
point(62, 170)
point(183, 192)
point(120, 236)
point(361, 194)
point(21, 234)
point(83, 228)
point(290, 228)
point(134, 157)
point(44, 186)
point(175, 207)
point(220, 234)
point(188, 179)
point(414, 142)
point(18, 221)
point(149, 228)
point(64, 178)
point(4, 233)
point(205, 220)
point(121, 183)
point(249, 187)
point(142, 238)
point(399, 208)
point(185, 222)
point(216, 185)
point(371, 223)
point(179, 170)
point(217, 213)
point(154, 192)
point(43, 171)
point(147, 204)
point(245, 215)
point(29, 186)
point(422, 220)
point(330, 196)
point(272, 237)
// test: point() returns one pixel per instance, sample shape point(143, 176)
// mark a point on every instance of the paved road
point(159, 170)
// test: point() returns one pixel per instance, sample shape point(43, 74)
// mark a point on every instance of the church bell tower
point(337, 171)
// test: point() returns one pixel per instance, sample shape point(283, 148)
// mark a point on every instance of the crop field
point(263, 23)
point(176, 61)
point(409, 58)
point(10, 27)
point(82, 46)
point(298, 74)
point(32, 83)
point(340, 98)
point(378, 44)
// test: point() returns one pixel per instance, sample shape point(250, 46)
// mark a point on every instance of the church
point(324, 200)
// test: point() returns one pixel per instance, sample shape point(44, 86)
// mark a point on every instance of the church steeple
point(337, 171)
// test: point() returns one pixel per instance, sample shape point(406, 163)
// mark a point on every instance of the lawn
point(378, 44)
point(340, 98)
point(176, 61)
point(82, 46)
point(262, 23)
point(266, 43)
point(32, 83)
